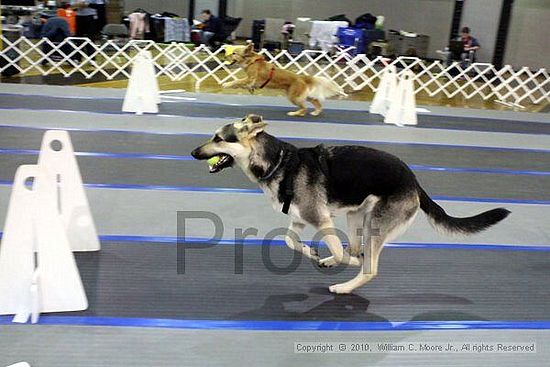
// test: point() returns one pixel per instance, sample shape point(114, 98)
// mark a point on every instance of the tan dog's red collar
point(271, 72)
point(269, 77)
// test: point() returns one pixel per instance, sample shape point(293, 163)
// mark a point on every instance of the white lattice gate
point(513, 87)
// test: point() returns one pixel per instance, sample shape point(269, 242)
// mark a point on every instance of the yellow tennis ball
point(214, 160)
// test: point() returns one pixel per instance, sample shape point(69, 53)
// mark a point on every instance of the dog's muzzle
point(225, 160)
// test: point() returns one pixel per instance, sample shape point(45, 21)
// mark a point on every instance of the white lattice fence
point(176, 61)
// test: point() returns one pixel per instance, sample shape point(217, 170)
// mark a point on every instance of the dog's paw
point(314, 255)
point(327, 262)
point(355, 252)
point(355, 261)
point(315, 113)
point(297, 113)
point(340, 289)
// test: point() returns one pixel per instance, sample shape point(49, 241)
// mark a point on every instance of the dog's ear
point(253, 119)
point(254, 124)
point(249, 49)
point(256, 128)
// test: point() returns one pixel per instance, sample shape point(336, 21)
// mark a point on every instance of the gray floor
point(163, 124)
point(195, 173)
point(113, 106)
point(244, 98)
point(192, 173)
point(262, 283)
point(122, 142)
point(133, 279)
point(118, 213)
point(55, 346)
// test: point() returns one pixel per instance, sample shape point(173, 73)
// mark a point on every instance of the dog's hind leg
point(356, 227)
point(389, 219)
point(317, 104)
point(292, 240)
point(297, 95)
point(356, 222)
point(300, 103)
point(369, 270)
point(339, 256)
point(355, 236)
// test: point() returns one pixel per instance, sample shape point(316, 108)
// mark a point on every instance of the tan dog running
point(298, 88)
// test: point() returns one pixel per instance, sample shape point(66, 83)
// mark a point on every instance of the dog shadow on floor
point(319, 304)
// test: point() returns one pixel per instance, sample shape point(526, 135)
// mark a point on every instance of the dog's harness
point(286, 183)
point(286, 186)
point(269, 77)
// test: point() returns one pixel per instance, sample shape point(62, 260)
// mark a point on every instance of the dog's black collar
point(272, 171)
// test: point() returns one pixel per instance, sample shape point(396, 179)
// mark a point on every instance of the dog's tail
point(442, 221)
point(323, 88)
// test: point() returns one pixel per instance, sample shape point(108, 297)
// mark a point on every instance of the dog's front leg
point(292, 240)
point(251, 82)
point(236, 83)
point(339, 256)
point(251, 86)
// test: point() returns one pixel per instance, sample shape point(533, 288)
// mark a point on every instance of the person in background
point(87, 21)
point(471, 45)
point(211, 27)
point(56, 29)
point(86, 27)
point(100, 7)
point(287, 31)
point(66, 12)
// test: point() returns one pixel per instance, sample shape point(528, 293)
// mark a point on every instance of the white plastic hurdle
point(46, 221)
point(395, 99)
point(57, 156)
point(142, 94)
point(387, 87)
point(402, 108)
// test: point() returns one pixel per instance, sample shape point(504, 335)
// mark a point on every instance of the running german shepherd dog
point(374, 189)
point(298, 88)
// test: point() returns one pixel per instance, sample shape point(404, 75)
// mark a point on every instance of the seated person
point(211, 27)
point(56, 29)
point(471, 45)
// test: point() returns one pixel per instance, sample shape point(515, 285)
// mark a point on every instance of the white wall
point(250, 10)
point(483, 18)
point(431, 17)
point(528, 37)
point(180, 7)
point(201, 5)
